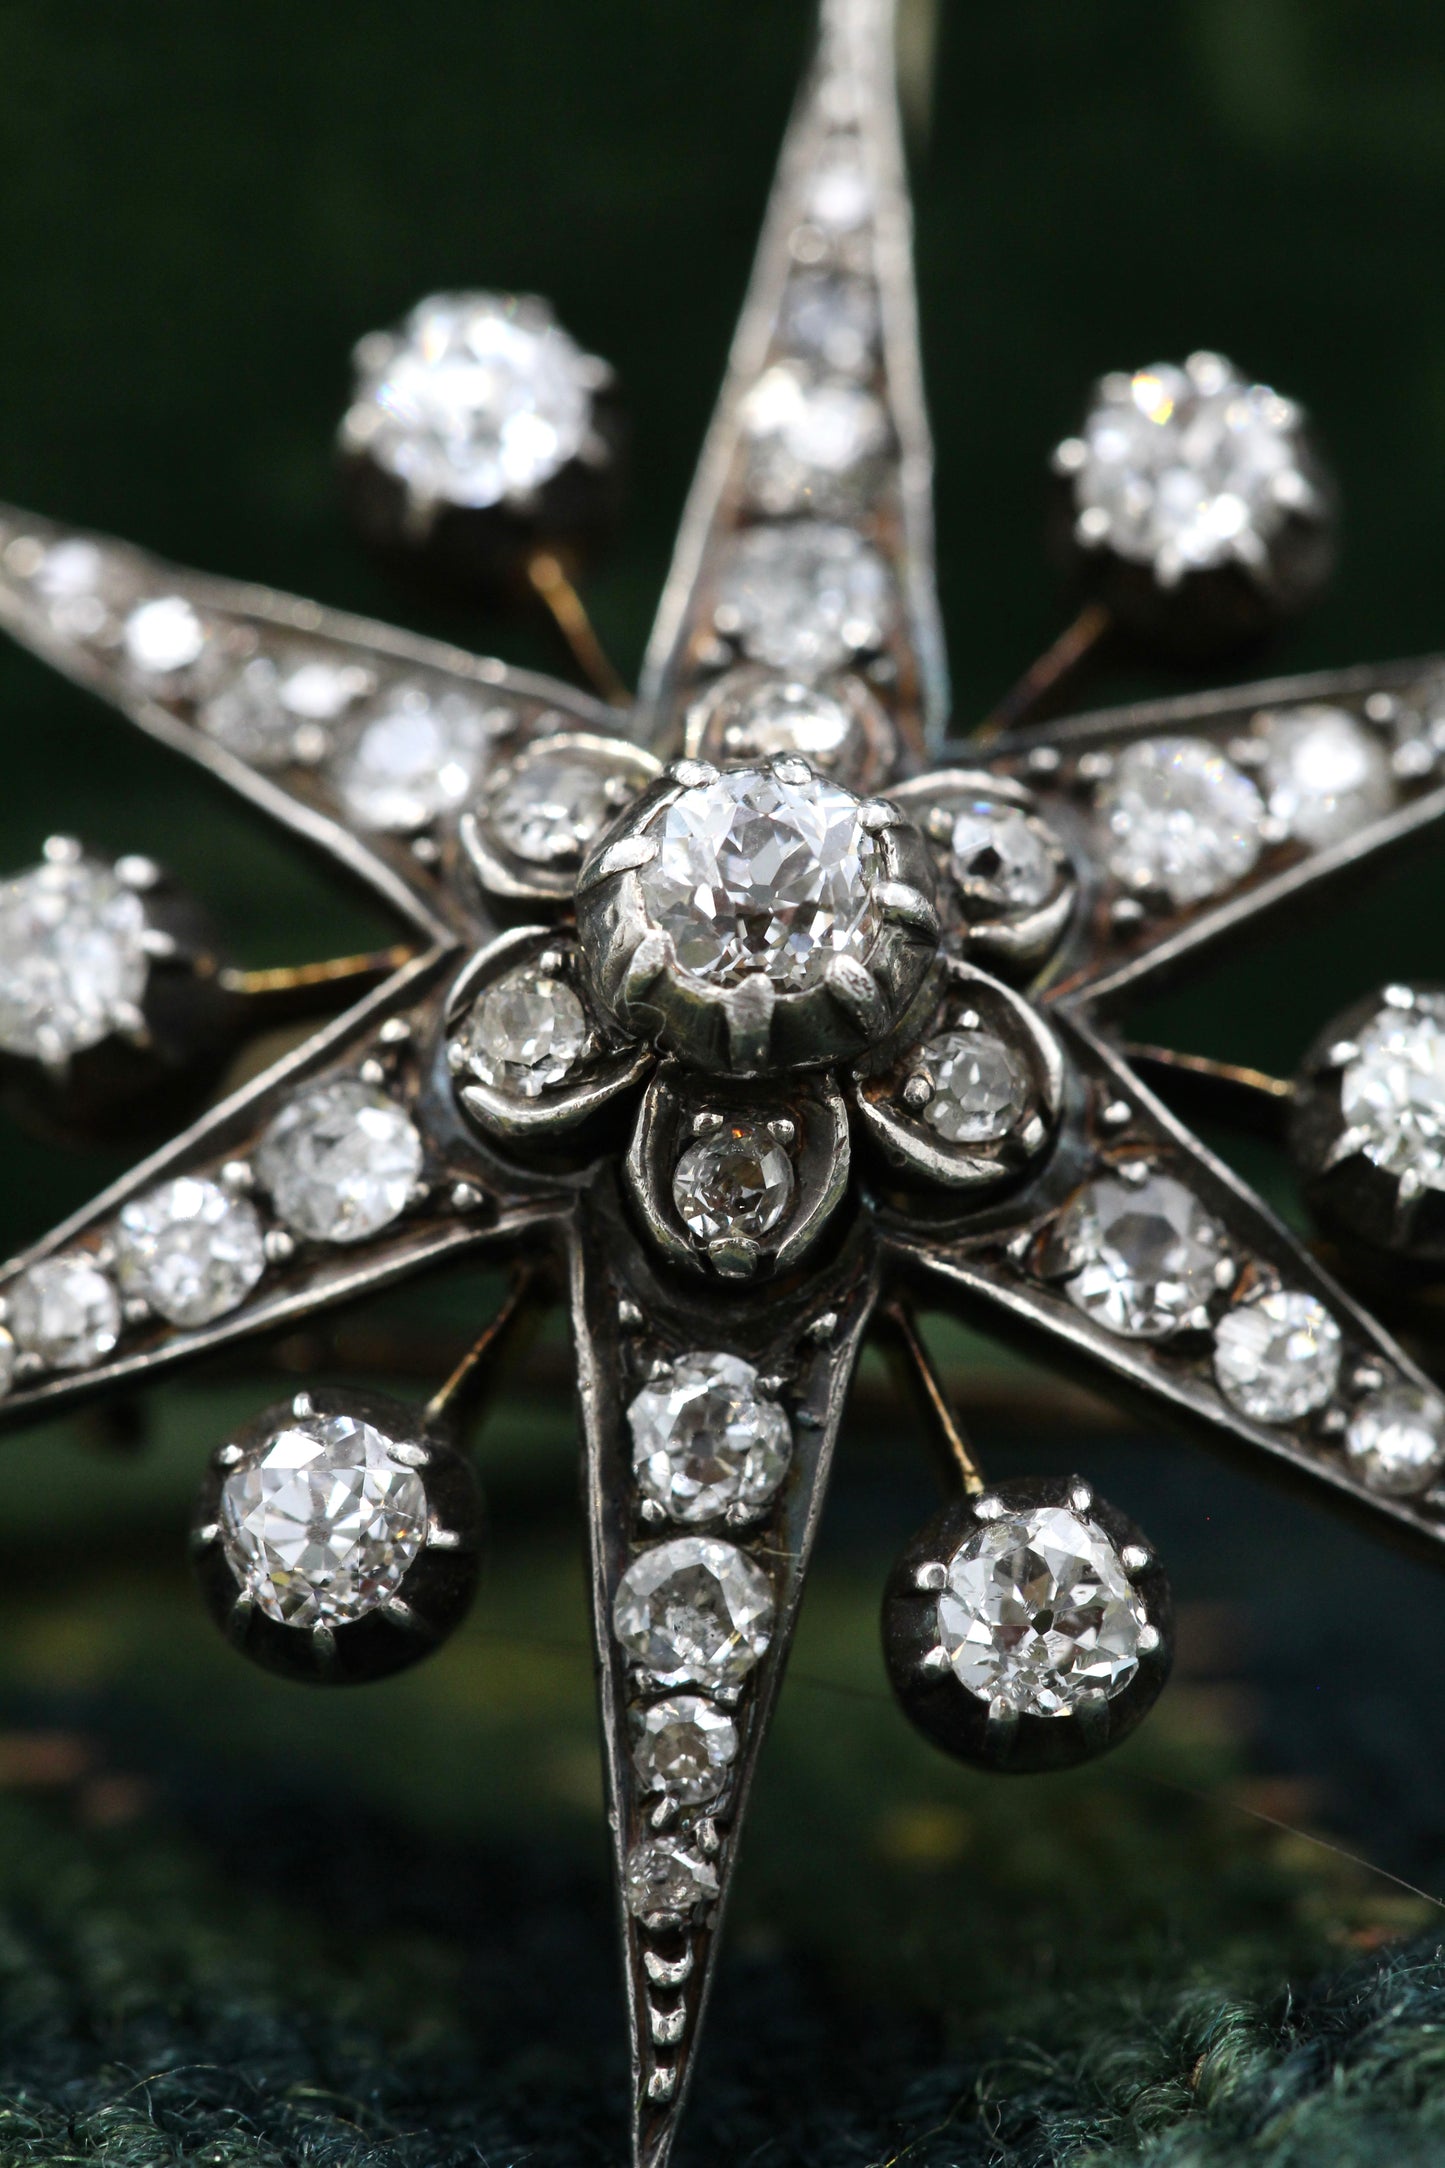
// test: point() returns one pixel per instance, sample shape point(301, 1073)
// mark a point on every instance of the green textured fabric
point(240, 1924)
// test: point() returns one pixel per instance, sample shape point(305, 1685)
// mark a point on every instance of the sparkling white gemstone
point(830, 319)
point(321, 1525)
point(526, 1033)
point(163, 636)
point(1141, 1257)
point(980, 1086)
point(735, 1184)
point(551, 806)
point(1180, 818)
point(767, 721)
point(8, 1353)
point(813, 440)
point(1184, 469)
point(66, 1311)
point(271, 714)
point(704, 1438)
point(81, 587)
point(482, 398)
point(1395, 1440)
point(414, 760)
point(683, 1745)
point(664, 1881)
point(73, 966)
point(694, 1610)
point(190, 1250)
point(1325, 773)
point(340, 1161)
point(1038, 1612)
point(1277, 1356)
point(1393, 1093)
point(753, 873)
point(805, 597)
point(1002, 858)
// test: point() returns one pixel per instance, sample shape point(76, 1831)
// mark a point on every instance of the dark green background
point(202, 208)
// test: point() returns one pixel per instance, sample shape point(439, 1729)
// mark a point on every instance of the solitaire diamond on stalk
point(683, 1745)
point(664, 1881)
point(416, 759)
point(980, 1087)
point(1396, 1440)
point(481, 399)
point(1180, 818)
point(321, 1526)
point(704, 1438)
point(1185, 469)
point(65, 1311)
point(1037, 1612)
point(189, 1250)
point(694, 1610)
point(734, 1184)
point(805, 597)
point(526, 1033)
point(1142, 1258)
point(1325, 774)
point(73, 964)
point(340, 1161)
point(1392, 1095)
point(1277, 1356)
point(754, 872)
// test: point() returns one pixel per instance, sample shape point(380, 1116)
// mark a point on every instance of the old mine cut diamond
point(340, 1161)
point(683, 1745)
point(189, 1250)
point(664, 1881)
point(735, 1184)
point(65, 1311)
point(417, 758)
point(1180, 819)
point(1038, 1612)
point(1001, 858)
point(321, 1525)
point(1277, 1357)
point(1142, 1258)
point(1325, 773)
point(980, 1087)
point(694, 1611)
point(804, 597)
point(72, 958)
point(1393, 1093)
point(704, 1438)
point(527, 1033)
point(1396, 1439)
point(550, 806)
point(758, 872)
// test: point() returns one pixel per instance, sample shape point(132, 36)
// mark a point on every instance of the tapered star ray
point(839, 202)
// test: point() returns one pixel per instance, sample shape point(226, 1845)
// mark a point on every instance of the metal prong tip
point(1149, 1638)
point(465, 1197)
point(987, 1508)
point(230, 1456)
point(823, 1326)
point(442, 1539)
point(930, 1577)
point(1081, 1497)
point(1135, 1557)
point(935, 1663)
point(651, 1513)
point(1398, 997)
point(407, 1455)
point(302, 1405)
point(395, 1031)
point(917, 1090)
point(782, 1130)
point(280, 1247)
point(629, 1316)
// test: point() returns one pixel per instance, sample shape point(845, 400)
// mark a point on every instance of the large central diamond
point(754, 873)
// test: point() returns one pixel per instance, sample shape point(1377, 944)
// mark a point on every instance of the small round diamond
point(778, 717)
point(163, 636)
point(8, 1353)
point(321, 1525)
point(1001, 858)
point(694, 1609)
point(980, 1086)
point(805, 597)
point(838, 197)
point(813, 440)
point(1183, 469)
point(756, 873)
point(1325, 774)
point(271, 715)
point(340, 1161)
point(663, 1881)
point(481, 398)
point(1142, 1257)
point(526, 1033)
point(80, 587)
point(704, 1438)
point(1038, 1612)
point(1180, 818)
point(1393, 1093)
point(66, 1311)
point(683, 1745)
point(415, 760)
point(734, 1184)
point(551, 806)
point(831, 320)
point(190, 1250)
point(73, 965)
point(1396, 1440)
point(1277, 1357)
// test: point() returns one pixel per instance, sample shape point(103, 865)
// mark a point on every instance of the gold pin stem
point(945, 1431)
point(1199, 1085)
point(1047, 677)
point(289, 990)
point(479, 1367)
point(569, 614)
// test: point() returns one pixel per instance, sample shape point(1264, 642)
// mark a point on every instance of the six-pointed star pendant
point(744, 1007)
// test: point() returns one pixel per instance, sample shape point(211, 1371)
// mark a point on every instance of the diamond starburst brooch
point(749, 1010)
